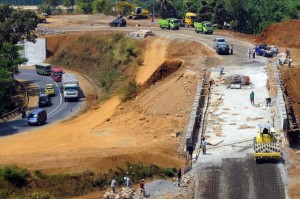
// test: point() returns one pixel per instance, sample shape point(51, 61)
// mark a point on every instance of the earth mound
point(282, 34)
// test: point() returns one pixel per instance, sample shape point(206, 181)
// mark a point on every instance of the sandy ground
point(111, 133)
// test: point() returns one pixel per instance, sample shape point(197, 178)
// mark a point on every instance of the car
point(223, 48)
point(37, 116)
point(50, 89)
point(44, 100)
point(118, 23)
point(218, 41)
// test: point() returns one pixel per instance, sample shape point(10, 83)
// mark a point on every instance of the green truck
point(204, 27)
point(170, 23)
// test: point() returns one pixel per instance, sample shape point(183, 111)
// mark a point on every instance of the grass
point(107, 59)
point(40, 185)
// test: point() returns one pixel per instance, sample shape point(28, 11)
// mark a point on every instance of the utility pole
point(153, 11)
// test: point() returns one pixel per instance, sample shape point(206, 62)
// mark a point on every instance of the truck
point(263, 50)
point(169, 23)
point(70, 87)
point(189, 19)
point(56, 74)
point(265, 144)
point(204, 27)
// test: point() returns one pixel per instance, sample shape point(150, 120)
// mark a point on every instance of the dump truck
point(265, 144)
point(189, 19)
point(204, 27)
point(70, 87)
point(170, 23)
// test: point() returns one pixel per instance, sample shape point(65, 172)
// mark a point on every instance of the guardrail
point(22, 105)
point(195, 126)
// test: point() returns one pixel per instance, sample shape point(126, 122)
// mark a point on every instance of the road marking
point(60, 97)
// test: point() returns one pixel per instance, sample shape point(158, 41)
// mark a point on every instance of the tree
point(102, 6)
point(166, 9)
point(53, 3)
point(15, 26)
point(69, 4)
point(220, 14)
point(85, 6)
point(205, 12)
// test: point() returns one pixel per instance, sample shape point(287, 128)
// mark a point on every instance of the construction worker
point(204, 143)
point(179, 177)
point(249, 53)
point(252, 98)
point(231, 49)
point(113, 185)
point(142, 189)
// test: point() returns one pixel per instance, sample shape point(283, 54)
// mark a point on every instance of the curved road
point(56, 112)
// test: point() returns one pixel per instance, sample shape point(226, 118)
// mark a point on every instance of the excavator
point(136, 12)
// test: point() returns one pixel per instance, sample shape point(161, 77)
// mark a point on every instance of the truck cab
point(56, 74)
point(190, 19)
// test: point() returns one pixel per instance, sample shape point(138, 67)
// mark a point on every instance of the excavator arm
point(136, 12)
point(121, 4)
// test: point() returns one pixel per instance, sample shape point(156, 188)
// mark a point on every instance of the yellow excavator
point(266, 146)
point(136, 12)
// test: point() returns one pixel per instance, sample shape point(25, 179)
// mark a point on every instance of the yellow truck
point(189, 19)
point(265, 144)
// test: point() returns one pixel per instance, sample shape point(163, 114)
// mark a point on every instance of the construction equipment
point(204, 27)
point(169, 23)
point(265, 143)
point(189, 19)
point(136, 12)
point(235, 81)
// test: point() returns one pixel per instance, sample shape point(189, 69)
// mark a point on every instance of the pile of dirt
point(282, 34)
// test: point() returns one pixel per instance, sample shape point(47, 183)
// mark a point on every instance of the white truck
point(70, 87)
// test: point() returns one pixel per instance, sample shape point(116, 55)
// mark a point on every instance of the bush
point(15, 175)
point(41, 195)
point(170, 172)
point(40, 174)
point(4, 194)
point(129, 91)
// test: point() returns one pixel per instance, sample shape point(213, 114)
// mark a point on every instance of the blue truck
point(263, 50)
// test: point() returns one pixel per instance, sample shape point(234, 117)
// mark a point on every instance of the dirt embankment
point(109, 134)
point(286, 34)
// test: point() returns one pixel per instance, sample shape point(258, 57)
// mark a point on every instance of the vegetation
point(107, 59)
point(15, 25)
point(40, 185)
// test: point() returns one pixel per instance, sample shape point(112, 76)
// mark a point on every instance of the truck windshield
point(47, 67)
point(208, 25)
point(176, 21)
point(58, 74)
point(71, 88)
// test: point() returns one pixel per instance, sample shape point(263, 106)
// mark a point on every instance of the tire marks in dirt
point(241, 178)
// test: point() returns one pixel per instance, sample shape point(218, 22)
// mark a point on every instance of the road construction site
point(134, 131)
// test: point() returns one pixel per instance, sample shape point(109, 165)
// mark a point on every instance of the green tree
point(205, 12)
point(191, 5)
point(69, 4)
point(15, 26)
point(165, 9)
point(220, 14)
point(53, 3)
point(85, 6)
point(102, 6)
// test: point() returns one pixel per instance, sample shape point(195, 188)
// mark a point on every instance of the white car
point(218, 41)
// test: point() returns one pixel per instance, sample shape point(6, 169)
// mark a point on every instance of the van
point(45, 100)
point(37, 116)
point(43, 69)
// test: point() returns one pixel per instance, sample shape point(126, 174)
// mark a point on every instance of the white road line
point(60, 97)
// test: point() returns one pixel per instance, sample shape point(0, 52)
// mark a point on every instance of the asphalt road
point(59, 109)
